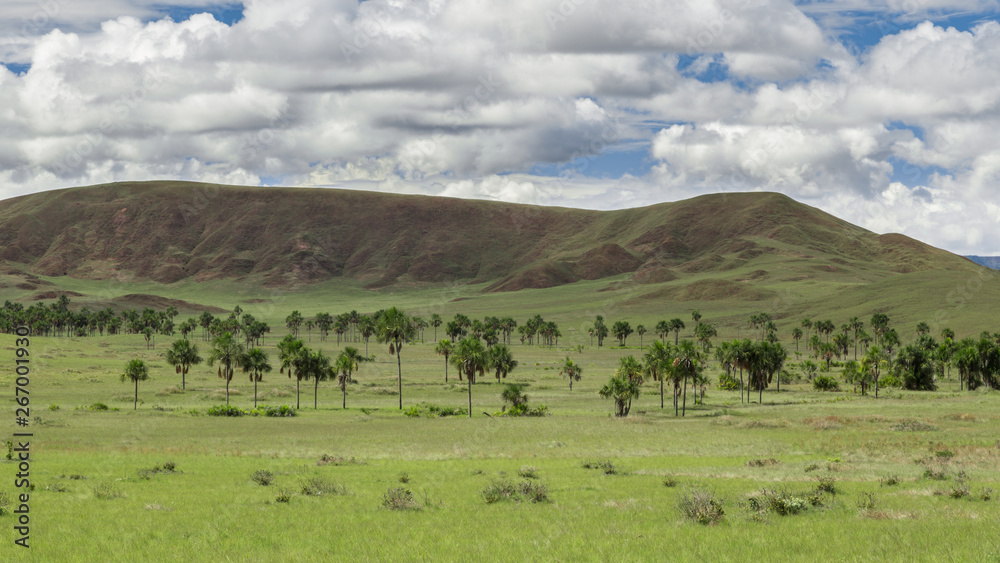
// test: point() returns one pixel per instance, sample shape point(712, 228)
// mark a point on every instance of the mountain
point(725, 245)
point(988, 261)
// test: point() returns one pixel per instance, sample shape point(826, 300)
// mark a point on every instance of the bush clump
point(262, 477)
point(433, 411)
point(107, 491)
point(604, 465)
point(505, 490)
point(528, 472)
point(910, 425)
point(327, 459)
point(701, 506)
point(98, 407)
point(318, 486)
point(262, 410)
point(762, 462)
point(399, 499)
point(782, 503)
point(728, 382)
point(825, 383)
point(888, 481)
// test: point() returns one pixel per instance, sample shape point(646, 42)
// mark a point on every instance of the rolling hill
point(737, 249)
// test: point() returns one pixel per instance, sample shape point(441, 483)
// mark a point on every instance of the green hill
point(728, 252)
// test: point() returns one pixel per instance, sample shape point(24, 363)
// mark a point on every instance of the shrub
point(935, 474)
point(270, 410)
point(868, 502)
point(944, 454)
point(327, 459)
point(53, 407)
point(262, 477)
point(762, 462)
point(98, 407)
point(606, 466)
point(959, 490)
point(825, 383)
point(107, 491)
point(728, 382)
point(888, 481)
point(701, 506)
point(403, 477)
point(528, 472)
point(811, 467)
point(778, 502)
point(284, 495)
point(318, 486)
point(225, 410)
point(825, 485)
point(504, 489)
point(890, 381)
point(169, 467)
point(399, 499)
point(985, 493)
point(669, 481)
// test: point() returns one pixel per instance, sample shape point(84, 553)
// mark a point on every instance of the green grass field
point(93, 500)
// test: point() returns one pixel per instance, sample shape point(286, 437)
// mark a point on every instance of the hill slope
point(172, 231)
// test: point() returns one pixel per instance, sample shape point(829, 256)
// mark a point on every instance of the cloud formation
point(521, 101)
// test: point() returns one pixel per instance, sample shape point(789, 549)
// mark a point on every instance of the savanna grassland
point(804, 476)
point(97, 493)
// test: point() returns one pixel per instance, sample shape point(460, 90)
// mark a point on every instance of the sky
point(884, 113)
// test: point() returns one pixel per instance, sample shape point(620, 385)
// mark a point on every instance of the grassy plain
point(210, 509)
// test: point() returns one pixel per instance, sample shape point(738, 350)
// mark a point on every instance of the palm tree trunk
point(741, 385)
point(684, 407)
point(399, 367)
point(760, 391)
point(297, 405)
point(661, 391)
point(344, 406)
point(135, 406)
point(446, 369)
point(255, 391)
point(315, 392)
point(470, 395)
point(227, 388)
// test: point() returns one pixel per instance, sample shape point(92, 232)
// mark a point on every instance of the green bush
point(98, 407)
point(262, 477)
point(226, 410)
point(779, 502)
point(606, 466)
point(825, 383)
point(284, 495)
point(399, 499)
point(728, 382)
point(318, 486)
point(503, 490)
point(701, 506)
point(890, 380)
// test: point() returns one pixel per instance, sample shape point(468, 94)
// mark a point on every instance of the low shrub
point(701, 506)
point(262, 477)
point(888, 481)
point(728, 382)
point(606, 466)
point(327, 459)
point(262, 410)
point(868, 502)
point(399, 499)
point(825, 383)
point(779, 502)
point(910, 425)
point(403, 477)
point(319, 486)
point(504, 490)
point(528, 472)
point(284, 495)
point(225, 410)
point(107, 491)
point(98, 407)
point(826, 485)
point(935, 474)
point(762, 462)
point(669, 481)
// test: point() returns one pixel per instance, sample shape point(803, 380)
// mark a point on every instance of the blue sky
point(883, 113)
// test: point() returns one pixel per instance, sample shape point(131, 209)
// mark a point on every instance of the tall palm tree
point(293, 321)
point(182, 356)
point(291, 353)
point(317, 366)
point(796, 336)
point(687, 363)
point(229, 353)
point(657, 363)
point(501, 360)
point(135, 371)
point(395, 328)
point(676, 325)
point(471, 358)
point(572, 370)
point(640, 330)
point(444, 348)
point(256, 363)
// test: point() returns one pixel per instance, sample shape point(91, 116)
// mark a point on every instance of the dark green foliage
point(669, 481)
point(263, 410)
point(606, 466)
point(284, 495)
point(825, 383)
point(781, 502)
point(728, 382)
point(403, 477)
point(762, 462)
point(434, 411)
point(826, 485)
point(505, 490)
point(98, 407)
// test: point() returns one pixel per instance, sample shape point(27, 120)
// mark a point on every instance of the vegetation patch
point(605, 466)
point(327, 459)
point(505, 490)
point(107, 491)
point(701, 506)
point(399, 499)
point(912, 425)
point(434, 411)
point(319, 486)
point(262, 477)
point(762, 462)
point(263, 410)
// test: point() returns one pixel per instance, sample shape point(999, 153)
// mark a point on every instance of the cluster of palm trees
point(679, 363)
point(55, 319)
point(473, 358)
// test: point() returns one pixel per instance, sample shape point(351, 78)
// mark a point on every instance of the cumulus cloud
point(467, 99)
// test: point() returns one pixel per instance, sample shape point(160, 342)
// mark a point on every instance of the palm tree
point(572, 370)
point(444, 348)
point(687, 363)
point(436, 322)
point(622, 390)
point(471, 358)
point(135, 371)
point(347, 362)
point(871, 365)
point(922, 328)
point(676, 325)
point(696, 317)
point(502, 361)
point(293, 322)
point(316, 366)
point(256, 363)
point(621, 330)
point(658, 363)
point(182, 356)
point(662, 329)
point(230, 354)
point(394, 328)
point(291, 353)
point(640, 330)
point(796, 336)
